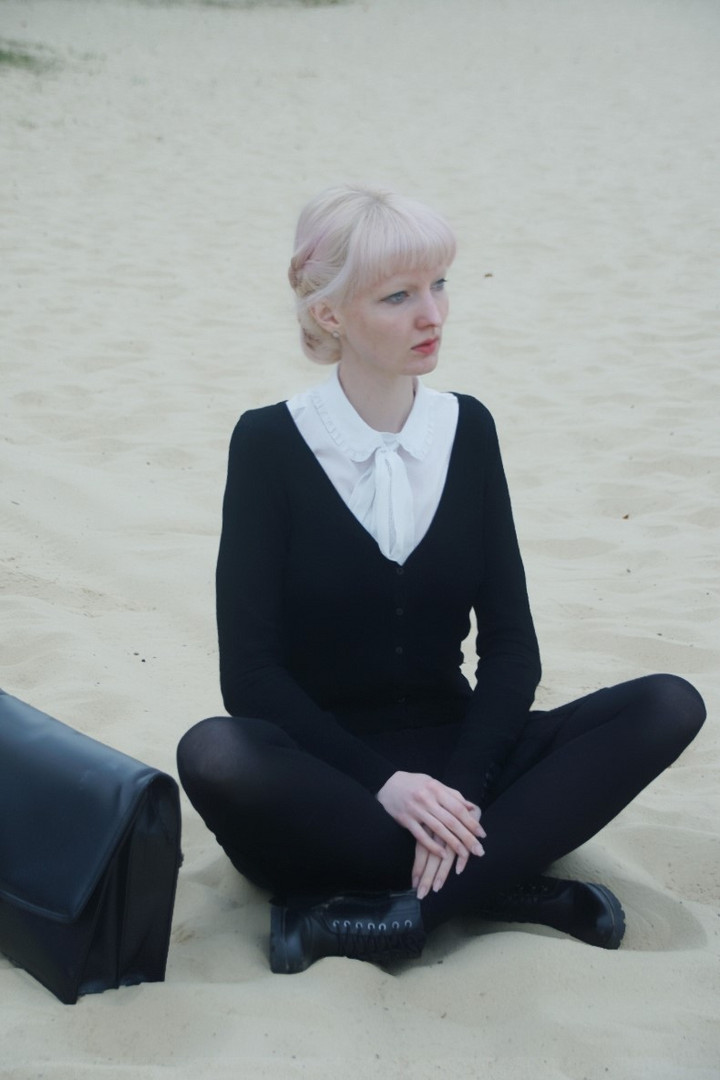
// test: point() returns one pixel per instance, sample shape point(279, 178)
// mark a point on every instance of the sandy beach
point(153, 159)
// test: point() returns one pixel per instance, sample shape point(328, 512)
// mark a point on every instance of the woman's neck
point(383, 403)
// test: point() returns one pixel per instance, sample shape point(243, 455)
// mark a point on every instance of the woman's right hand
point(439, 817)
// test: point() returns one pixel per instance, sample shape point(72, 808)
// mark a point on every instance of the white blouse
point(391, 481)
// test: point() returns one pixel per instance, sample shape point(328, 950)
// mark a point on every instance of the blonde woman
point(358, 775)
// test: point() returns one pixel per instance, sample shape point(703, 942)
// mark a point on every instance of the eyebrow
point(407, 277)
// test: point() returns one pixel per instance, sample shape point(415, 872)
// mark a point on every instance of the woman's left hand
point(431, 871)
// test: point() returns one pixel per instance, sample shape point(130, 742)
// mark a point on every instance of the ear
point(326, 317)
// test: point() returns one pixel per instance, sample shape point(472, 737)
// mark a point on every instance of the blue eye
point(398, 297)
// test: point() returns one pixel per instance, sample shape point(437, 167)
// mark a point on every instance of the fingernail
point(422, 892)
point(477, 849)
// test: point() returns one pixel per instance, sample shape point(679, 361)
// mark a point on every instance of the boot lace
point(514, 903)
point(381, 941)
point(530, 891)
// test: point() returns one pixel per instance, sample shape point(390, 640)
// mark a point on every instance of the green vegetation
point(14, 54)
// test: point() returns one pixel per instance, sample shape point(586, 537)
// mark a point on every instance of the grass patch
point(15, 55)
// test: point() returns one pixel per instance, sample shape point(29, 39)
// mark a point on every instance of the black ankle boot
point(587, 911)
point(373, 926)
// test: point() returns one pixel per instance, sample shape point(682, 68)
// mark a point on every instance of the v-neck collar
point(316, 469)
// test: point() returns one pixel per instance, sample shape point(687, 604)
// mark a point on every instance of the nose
point(430, 313)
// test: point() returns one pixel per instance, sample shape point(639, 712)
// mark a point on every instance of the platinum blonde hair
point(348, 238)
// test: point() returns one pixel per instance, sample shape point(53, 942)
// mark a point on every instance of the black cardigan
point(323, 635)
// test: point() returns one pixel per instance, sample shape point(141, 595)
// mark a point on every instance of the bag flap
point(66, 801)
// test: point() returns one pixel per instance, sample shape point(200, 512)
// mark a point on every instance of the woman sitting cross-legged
point(358, 775)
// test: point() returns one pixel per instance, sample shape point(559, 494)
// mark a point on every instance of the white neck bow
point(382, 499)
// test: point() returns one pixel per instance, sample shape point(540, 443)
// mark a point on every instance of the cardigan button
point(400, 570)
point(399, 650)
point(399, 611)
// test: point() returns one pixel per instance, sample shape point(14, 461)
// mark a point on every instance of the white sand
point(148, 188)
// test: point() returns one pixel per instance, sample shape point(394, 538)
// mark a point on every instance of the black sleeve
point(256, 532)
point(508, 669)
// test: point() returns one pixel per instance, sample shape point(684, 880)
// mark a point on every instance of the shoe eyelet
point(396, 925)
point(358, 926)
point(347, 924)
point(382, 926)
point(335, 924)
point(371, 926)
point(408, 924)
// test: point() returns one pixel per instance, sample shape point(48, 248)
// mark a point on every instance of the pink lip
point(427, 347)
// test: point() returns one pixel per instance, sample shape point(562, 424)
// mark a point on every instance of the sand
point(153, 160)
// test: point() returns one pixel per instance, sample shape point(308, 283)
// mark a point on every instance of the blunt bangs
point(390, 240)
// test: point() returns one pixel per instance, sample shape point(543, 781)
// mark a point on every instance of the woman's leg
point(605, 749)
point(286, 819)
point(291, 822)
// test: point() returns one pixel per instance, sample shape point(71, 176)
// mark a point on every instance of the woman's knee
point(675, 702)
point(223, 749)
point(201, 751)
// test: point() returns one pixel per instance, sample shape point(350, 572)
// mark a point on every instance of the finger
point(458, 795)
point(428, 876)
point(433, 802)
point(428, 813)
point(452, 813)
point(432, 813)
point(434, 873)
point(462, 819)
point(421, 857)
point(424, 838)
point(457, 803)
point(449, 831)
point(467, 816)
point(443, 870)
point(477, 814)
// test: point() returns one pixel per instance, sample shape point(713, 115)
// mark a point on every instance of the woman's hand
point(444, 823)
point(431, 871)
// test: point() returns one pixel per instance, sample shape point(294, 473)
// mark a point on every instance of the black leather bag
point(89, 857)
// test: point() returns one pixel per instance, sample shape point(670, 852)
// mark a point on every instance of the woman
point(358, 774)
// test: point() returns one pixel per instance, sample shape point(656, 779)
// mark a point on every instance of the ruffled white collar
point(357, 439)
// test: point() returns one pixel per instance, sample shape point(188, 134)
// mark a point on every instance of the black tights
point(292, 823)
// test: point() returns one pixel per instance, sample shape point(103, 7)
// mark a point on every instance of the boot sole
point(279, 960)
point(617, 930)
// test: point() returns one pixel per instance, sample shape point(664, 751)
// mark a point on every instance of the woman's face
point(395, 327)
